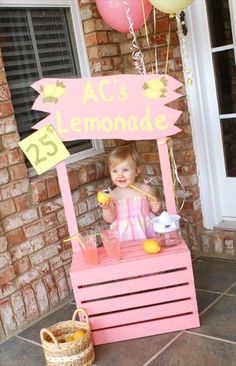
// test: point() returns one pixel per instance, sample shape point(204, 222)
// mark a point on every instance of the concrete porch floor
point(212, 344)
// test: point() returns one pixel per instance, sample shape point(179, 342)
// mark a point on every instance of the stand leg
point(166, 176)
point(68, 203)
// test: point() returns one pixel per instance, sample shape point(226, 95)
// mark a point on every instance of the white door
point(211, 57)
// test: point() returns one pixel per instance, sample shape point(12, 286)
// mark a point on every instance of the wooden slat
point(136, 300)
point(133, 285)
point(145, 329)
point(142, 314)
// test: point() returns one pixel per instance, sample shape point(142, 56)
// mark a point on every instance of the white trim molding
point(201, 95)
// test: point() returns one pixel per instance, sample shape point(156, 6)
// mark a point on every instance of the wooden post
point(166, 176)
point(68, 203)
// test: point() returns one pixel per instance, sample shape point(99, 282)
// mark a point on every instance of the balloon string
point(154, 33)
point(146, 33)
point(175, 175)
point(136, 52)
point(168, 45)
point(177, 179)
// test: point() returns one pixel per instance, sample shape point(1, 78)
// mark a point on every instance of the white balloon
point(170, 6)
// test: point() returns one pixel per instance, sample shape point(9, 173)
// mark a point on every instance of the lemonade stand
point(141, 294)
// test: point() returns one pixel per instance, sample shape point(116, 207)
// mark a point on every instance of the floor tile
point(17, 352)
point(65, 313)
point(204, 299)
point(193, 350)
point(220, 320)
point(214, 275)
point(233, 290)
point(133, 352)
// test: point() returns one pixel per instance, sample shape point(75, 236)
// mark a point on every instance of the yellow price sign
point(44, 149)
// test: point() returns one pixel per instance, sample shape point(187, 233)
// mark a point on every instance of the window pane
point(53, 43)
point(36, 43)
point(224, 65)
point(20, 65)
point(228, 128)
point(219, 22)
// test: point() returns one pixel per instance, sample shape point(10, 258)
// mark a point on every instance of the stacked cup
point(110, 241)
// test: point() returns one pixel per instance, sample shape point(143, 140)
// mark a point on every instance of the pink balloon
point(114, 13)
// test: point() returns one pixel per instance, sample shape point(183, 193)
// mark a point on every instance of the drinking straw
point(78, 237)
point(142, 191)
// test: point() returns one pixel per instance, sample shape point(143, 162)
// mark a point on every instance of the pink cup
point(111, 243)
point(89, 247)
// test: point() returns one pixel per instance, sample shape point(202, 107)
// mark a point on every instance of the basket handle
point(45, 330)
point(77, 311)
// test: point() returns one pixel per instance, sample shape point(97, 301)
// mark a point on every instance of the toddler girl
point(129, 211)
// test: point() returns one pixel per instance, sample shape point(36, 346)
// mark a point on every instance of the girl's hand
point(155, 205)
point(108, 211)
point(154, 202)
point(105, 206)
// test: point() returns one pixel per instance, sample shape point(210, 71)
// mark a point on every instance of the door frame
point(203, 107)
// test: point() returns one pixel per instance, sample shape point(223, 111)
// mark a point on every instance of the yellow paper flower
point(152, 94)
point(155, 88)
point(155, 84)
point(52, 92)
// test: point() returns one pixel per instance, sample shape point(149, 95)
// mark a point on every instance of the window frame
point(97, 145)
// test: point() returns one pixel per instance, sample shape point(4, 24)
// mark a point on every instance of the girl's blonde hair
point(121, 153)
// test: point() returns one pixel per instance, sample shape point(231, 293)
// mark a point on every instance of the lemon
point(103, 197)
point(69, 339)
point(78, 334)
point(151, 246)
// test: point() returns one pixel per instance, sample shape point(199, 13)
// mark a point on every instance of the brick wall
point(34, 261)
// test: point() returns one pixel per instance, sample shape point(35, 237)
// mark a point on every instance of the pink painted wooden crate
point(140, 295)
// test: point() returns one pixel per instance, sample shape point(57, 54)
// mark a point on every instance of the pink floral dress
point(133, 219)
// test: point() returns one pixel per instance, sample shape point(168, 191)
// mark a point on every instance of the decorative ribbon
point(183, 24)
point(136, 52)
point(186, 69)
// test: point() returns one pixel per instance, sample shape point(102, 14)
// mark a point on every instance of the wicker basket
point(75, 353)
